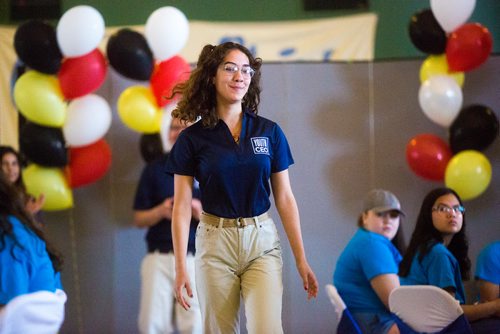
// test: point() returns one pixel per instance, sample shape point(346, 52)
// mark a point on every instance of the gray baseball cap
point(379, 200)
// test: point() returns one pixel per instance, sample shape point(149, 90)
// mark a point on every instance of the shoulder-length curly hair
point(198, 95)
point(425, 236)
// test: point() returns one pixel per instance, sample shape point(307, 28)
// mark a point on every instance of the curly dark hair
point(198, 93)
point(425, 236)
point(12, 204)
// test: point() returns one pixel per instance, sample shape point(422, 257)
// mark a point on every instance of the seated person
point(28, 263)
point(488, 272)
point(366, 271)
point(438, 255)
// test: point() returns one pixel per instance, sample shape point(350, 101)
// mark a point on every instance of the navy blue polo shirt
point(154, 187)
point(234, 179)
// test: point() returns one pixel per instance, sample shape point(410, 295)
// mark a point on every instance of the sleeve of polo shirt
point(488, 264)
point(181, 158)
point(439, 268)
point(377, 259)
point(282, 156)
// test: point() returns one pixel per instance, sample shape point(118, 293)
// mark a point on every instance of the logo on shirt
point(260, 145)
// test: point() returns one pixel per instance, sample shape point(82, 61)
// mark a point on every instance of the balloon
point(428, 155)
point(468, 47)
point(151, 147)
point(426, 33)
point(129, 54)
point(89, 118)
point(43, 145)
point(166, 30)
point(452, 13)
point(36, 45)
point(40, 99)
point(437, 65)
point(468, 173)
point(166, 75)
point(82, 75)
point(475, 128)
point(50, 182)
point(79, 31)
point(440, 98)
point(88, 163)
point(138, 110)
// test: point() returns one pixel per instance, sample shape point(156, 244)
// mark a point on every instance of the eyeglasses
point(443, 208)
point(391, 214)
point(245, 70)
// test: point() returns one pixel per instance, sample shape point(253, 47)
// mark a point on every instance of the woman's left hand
point(309, 280)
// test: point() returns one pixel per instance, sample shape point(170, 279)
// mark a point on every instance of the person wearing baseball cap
point(366, 271)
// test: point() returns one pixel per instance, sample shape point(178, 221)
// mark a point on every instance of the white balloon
point(451, 14)
point(440, 98)
point(166, 31)
point(88, 120)
point(79, 31)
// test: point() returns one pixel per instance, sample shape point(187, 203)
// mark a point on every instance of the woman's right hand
point(181, 283)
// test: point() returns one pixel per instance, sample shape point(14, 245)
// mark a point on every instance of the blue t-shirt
point(488, 263)
point(154, 187)
point(366, 256)
point(234, 179)
point(27, 269)
point(439, 268)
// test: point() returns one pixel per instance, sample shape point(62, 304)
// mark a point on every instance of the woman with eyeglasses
point(438, 255)
point(366, 271)
point(238, 157)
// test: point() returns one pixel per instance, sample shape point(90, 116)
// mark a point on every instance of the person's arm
point(482, 310)
point(289, 214)
point(196, 208)
point(488, 291)
point(383, 286)
point(181, 219)
point(150, 217)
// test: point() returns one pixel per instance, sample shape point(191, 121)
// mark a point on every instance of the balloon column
point(65, 122)
point(151, 57)
point(454, 47)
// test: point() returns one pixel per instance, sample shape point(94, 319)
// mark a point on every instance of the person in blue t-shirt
point(153, 205)
point(28, 262)
point(438, 255)
point(488, 272)
point(237, 157)
point(366, 271)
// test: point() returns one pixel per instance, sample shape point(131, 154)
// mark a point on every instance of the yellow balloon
point(468, 173)
point(40, 99)
point(438, 65)
point(138, 109)
point(50, 182)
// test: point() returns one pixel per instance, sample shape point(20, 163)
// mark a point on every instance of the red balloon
point(88, 164)
point(82, 75)
point(468, 47)
point(166, 75)
point(428, 155)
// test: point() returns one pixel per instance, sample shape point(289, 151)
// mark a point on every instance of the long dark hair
point(425, 236)
point(12, 204)
point(198, 95)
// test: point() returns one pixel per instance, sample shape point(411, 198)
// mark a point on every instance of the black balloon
point(36, 45)
point(426, 33)
point(43, 145)
point(475, 128)
point(151, 147)
point(129, 54)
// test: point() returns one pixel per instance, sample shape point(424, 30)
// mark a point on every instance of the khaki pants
point(239, 262)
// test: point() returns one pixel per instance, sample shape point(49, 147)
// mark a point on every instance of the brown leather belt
point(233, 222)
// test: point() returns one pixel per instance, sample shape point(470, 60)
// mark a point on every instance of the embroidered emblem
point(260, 145)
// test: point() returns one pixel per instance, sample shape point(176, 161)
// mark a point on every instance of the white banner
point(349, 38)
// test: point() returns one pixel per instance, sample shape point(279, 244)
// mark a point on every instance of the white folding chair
point(427, 309)
point(40, 312)
point(345, 321)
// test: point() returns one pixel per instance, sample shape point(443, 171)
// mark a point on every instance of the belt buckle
point(240, 222)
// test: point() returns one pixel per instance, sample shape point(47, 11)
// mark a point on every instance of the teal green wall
point(392, 39)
